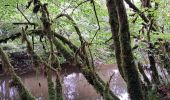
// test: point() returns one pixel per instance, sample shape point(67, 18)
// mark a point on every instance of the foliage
point(94, 28)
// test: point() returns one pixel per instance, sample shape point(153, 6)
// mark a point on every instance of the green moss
point(59, 92)
point(88, 72)
point(55, 94)
point(51, 91)
point(54, 61)
point(61, 47)
point(23, 92)
point(93, 78)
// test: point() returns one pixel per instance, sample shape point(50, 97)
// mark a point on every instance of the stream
point(75, 86)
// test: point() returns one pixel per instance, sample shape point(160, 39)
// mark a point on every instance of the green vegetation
point(84, 33)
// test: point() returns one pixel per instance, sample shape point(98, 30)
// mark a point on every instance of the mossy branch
point(89, 74)
point(23, 92)
point(74, 24)
point(51, 91)
point(53, 61)
point(60, 47)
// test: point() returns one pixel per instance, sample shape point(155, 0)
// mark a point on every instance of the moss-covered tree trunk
point(113, 19)
point(53, 60)
point(128, 63)
point(127, 59)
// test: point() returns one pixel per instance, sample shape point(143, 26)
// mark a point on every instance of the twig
point(94, 9)
point(108, 83)
point(81, 3)
point(24, 23)
point(22, 14)
point(74, 24)
point(149, 30)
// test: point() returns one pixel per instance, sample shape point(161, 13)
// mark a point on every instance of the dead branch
point(22, 14)
point(24, 23)
point(11, 37)
point(95, 12)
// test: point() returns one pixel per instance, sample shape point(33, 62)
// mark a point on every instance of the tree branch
point(74, 24)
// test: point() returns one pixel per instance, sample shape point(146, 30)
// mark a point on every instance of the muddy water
point(75, 85)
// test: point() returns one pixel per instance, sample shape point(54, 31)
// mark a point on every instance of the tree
point(117, 8)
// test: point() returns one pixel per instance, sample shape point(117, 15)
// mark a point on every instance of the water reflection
point(75, 85)
point(117, 84)
point(77, 88)
point(7, 93)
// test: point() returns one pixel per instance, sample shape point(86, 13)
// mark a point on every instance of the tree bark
point(113, 20)
point(128, 63)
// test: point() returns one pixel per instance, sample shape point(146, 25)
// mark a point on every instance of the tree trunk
point(113, 19)
point(127, 59)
